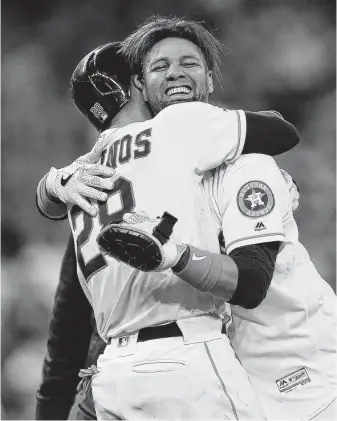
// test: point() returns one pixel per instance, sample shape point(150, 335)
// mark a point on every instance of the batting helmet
point(100, 85)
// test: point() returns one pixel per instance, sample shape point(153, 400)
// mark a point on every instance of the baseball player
point(140, 301)
point(284, 329)
point(72, 192)
point(288, 343)
point(128, 303)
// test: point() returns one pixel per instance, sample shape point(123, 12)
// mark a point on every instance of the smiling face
point(175, 71)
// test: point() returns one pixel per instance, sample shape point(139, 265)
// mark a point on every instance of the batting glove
point(293, 190)
point(142, 242)
point(82, 179)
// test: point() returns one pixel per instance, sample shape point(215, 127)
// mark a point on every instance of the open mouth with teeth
point(177, 90)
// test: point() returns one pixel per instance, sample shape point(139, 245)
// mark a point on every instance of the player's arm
point(82, 180)
point(49, 206)
point(268, 133)
point(242, 278)
point(68, 342)
point(215, 135)
point(253, 201)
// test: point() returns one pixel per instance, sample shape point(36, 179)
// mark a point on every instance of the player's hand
point(142, 242)
point(293, 189)
point(81, 180)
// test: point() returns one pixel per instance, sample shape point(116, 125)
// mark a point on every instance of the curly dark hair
point(136, 46)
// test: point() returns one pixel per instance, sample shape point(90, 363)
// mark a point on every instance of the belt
point(163, 331)
point(158, 332)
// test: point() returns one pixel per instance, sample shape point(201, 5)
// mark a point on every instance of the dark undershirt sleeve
point(267, 133)
point(256, 264)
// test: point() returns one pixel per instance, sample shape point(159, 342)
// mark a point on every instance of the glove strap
point(164, 229)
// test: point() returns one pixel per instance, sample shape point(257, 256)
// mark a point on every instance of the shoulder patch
point(255, 199)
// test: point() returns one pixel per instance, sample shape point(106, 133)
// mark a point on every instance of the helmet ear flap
point(100, 85)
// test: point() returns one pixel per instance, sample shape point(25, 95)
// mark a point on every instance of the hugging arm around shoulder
point(241, 278)
point(68, 343)
point(268, 133)
point(264, 132)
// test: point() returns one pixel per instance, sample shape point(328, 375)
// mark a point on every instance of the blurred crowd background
point(279, 54)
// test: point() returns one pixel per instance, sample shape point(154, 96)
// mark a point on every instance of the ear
point(138, 81)
point(210, 84)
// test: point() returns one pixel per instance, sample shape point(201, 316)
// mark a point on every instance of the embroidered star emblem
point(255, 199)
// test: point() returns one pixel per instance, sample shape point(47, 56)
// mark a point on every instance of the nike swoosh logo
point(64, 181)
point(194, 257)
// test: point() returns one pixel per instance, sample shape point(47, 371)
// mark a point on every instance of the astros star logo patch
point(255, 199)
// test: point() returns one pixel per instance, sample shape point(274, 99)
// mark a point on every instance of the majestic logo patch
point(255, 199)
point(260, 226)
point(292, 380)
point(99, 112)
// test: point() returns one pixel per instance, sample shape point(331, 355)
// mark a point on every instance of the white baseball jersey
point(287, 344)
point(158, 163)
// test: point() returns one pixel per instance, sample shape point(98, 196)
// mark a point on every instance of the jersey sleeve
point(254, 202)
point(212, 135)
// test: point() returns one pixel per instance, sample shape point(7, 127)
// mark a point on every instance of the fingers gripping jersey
point(156, 162)
point(288, 343)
